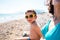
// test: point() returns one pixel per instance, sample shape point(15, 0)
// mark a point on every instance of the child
point(35, 33)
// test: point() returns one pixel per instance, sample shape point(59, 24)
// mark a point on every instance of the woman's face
point(57, 9)
point(30, 16)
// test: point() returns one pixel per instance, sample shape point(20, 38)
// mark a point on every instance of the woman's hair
point(30, 11)
point(51, 8)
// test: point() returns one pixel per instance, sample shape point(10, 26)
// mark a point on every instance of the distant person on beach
point(35, 33)
point(51, 31)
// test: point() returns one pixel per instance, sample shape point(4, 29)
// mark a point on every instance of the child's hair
point(30, 11)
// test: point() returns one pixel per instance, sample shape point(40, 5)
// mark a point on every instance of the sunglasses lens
point(26, 16)
point(31, 16)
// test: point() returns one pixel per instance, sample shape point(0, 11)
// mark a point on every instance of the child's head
point(30, 16)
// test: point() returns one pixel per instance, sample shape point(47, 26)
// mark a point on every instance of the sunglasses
point(30, 16)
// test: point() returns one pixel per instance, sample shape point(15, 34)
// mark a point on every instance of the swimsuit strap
point(45, 28)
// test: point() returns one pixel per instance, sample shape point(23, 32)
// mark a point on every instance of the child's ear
point(35, 17)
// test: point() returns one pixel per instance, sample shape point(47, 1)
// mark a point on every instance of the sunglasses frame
point(29, 16)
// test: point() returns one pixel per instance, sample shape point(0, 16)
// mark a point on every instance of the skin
point(30, 20)
point(35, 33)
point(57, 9)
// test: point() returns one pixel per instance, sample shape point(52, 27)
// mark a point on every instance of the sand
point(16, 28)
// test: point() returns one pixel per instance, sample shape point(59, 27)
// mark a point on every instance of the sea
point(10, 17)
point(14, 16)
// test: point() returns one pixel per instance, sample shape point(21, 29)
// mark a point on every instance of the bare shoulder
point(35, 27)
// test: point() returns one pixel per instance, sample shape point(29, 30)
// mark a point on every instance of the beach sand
point(16, 28)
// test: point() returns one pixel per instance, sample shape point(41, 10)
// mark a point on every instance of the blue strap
point(53, 34)
point(45, 28)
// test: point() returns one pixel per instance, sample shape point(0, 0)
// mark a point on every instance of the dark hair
point(30, 11)
point(51, 8)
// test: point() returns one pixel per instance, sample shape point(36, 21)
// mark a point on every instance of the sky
point(12, 9)
point(15, 6)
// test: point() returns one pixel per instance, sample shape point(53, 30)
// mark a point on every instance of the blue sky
point(15, 6)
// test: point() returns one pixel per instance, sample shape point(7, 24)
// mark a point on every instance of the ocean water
point(15, 16)
point(9, 17)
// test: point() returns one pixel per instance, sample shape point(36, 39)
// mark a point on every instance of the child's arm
point(37, 29)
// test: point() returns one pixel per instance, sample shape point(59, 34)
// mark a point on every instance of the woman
point(51, 30)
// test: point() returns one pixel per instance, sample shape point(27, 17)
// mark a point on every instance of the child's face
point(30, 16)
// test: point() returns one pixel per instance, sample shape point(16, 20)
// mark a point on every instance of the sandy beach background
point(15, 28)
